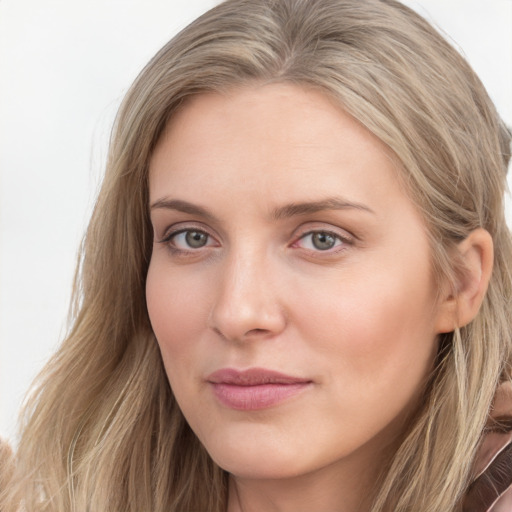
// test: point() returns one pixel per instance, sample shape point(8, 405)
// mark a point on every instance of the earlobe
point(474, 262)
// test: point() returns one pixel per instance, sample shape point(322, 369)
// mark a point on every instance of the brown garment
point(491, 491)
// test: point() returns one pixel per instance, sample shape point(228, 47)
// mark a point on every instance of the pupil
point(195, 239)
point(323, 241)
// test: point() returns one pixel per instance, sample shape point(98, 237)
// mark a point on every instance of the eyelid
point(342, 235)
point(345, 237)
point(182, 227)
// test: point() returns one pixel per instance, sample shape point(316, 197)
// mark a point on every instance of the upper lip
point(252, 377)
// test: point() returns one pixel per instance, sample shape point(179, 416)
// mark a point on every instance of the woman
point(295, 290)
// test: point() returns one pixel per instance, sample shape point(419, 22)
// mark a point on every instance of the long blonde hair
point(101, 429)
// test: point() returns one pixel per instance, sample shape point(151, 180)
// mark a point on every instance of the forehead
point(271, 144)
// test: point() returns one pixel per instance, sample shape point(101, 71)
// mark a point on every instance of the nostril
point(256, 331)
point(252, 318)
point(252, 333)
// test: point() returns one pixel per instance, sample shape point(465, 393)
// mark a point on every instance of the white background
point(64, 67)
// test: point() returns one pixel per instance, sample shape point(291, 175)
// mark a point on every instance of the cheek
point(376, 335)
point(177, 311)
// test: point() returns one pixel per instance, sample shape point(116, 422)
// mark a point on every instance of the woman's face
point(290, 287)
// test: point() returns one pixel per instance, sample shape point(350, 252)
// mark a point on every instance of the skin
point(359, 320)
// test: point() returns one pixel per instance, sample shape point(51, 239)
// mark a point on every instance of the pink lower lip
point(260, 396)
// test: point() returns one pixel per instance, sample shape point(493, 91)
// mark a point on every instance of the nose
point(247, 305)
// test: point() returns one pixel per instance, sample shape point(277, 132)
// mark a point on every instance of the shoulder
point(491, 490)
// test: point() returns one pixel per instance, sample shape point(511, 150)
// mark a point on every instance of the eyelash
point(169, 238)
point(340, 241)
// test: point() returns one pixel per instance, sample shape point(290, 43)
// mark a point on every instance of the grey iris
point(196, 239)
point(323, 241)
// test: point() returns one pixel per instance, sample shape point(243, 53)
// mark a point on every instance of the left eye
point(320, 241)
point(191, 239)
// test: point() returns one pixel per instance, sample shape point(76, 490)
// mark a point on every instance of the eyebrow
point(331, 203)
point(182, 206)
point(282, 212)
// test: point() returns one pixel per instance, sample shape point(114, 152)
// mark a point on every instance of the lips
point(254, 389)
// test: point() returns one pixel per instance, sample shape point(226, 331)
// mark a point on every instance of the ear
point(474, 260)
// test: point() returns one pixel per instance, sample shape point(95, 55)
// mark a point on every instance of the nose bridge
point(247, 303)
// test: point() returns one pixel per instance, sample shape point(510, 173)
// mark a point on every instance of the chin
point(261, 458)
point(262, 468)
